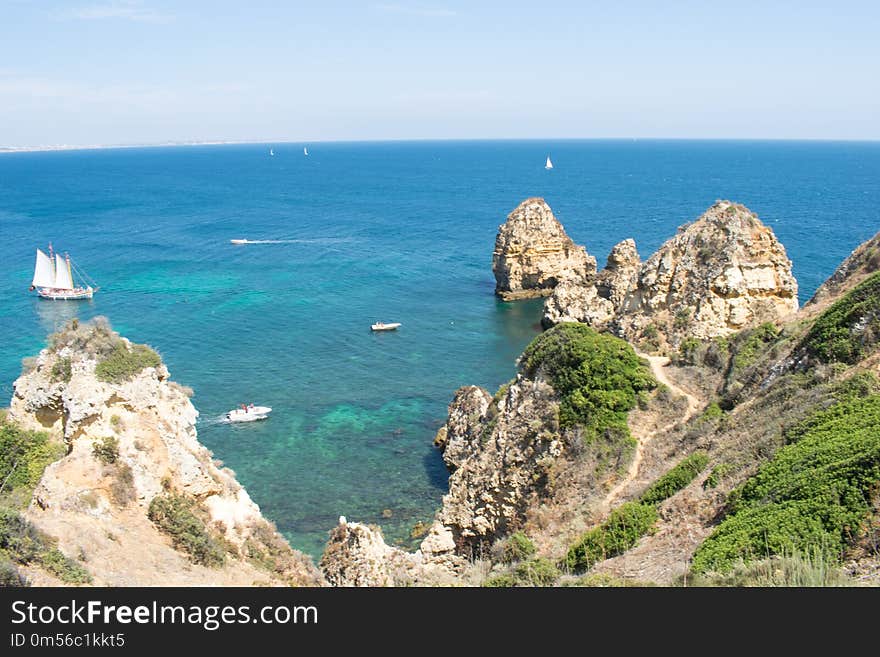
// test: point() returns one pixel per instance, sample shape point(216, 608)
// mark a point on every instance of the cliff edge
point(135, 498)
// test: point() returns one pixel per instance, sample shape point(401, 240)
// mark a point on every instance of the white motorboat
point(54, 278)
point(239, 241)
point(249, 413)
point(382, 326)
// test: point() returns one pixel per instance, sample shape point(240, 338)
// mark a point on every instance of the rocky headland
point(602, 465)
point(133, 499)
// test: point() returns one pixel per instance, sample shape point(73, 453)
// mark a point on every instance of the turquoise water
point(363, 232)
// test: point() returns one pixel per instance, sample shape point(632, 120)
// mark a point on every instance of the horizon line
point(267, 142)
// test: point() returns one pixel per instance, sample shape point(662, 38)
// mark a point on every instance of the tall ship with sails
point(54, 278)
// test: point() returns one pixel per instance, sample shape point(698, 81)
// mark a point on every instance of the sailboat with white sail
point(549, 164)
point(54, 278)
point(305, 150)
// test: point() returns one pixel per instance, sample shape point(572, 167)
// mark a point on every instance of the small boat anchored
point(54, 278)
point(549, 164)
point(382, 326)
point(249, 413)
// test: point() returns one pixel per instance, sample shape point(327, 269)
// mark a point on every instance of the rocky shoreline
point(592, 431)
point(135, 497)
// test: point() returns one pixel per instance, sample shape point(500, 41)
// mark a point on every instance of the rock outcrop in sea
point(581, 461)
point(533, 253)
point(137, 498)
point(499, 452)
point(722, 273)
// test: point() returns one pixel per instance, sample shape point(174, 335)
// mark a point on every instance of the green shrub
point(23, 457)
point(713, 412)
point(123, 363)
point(621, 531)
point(22, 543)
point(536, 572)
point(173, 514)
point(505, 580)
point(106, 450)
point(687, 351)
point(501, 393)
point(676, 479)
point(516, 547)
point(812, 568)
point(10, 575)
point(749, 344)
point(64, 568)
point(814, 492)
point(597, 376)
point(848, 330)
point(861, 384)
point(19, 539)
point(61, 370)
point(716, 475)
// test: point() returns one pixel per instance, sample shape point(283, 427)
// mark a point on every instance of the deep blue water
point(372, 231)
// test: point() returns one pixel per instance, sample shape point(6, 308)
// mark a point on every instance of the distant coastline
point(95, 147)
point(258, 142)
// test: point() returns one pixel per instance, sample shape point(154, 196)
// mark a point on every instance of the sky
point(101, 72)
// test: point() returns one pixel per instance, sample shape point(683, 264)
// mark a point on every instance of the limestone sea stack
point(136, 497)
point(533, 253)
point(722, 273)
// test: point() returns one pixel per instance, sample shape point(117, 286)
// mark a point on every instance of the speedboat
point(248, 414)
point(382, 326)
point(239, 241)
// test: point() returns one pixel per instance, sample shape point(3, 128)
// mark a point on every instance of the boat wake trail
point(316, 240)
point(212, 421)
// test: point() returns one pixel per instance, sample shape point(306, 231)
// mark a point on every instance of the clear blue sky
point(144, 71)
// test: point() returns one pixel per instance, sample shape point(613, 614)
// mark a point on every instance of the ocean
point(360, 232)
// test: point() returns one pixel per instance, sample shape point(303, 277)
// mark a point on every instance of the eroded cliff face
point(499, 453)
point(721, 274)
point(128, 443)
point(533, 253)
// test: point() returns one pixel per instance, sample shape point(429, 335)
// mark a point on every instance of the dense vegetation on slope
point(124, 363)
point(23, 457)
point(620, 532)
point(814, 493)
point(848, 330)
point(676, 479)
point(597, 376)
point(176, 516)
point(630, 521)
